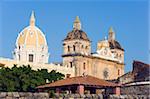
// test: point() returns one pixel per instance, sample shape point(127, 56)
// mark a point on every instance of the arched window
point(74, 48)
point(68, 48)
point(82, 46)
point(120, 56)
point(84, 66)
point(19, 47)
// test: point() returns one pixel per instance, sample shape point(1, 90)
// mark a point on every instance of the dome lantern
point(111, 34)
point(32, 19)
point(77, 24)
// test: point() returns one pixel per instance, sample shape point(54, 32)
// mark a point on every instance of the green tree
point(23, 78)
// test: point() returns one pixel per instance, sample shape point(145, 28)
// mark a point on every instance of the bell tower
point(115, 47)
point(76, 45)
point(77, 41)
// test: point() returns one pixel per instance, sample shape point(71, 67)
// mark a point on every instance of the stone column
point(117, 90)
point(69, 90)
point(80, 89)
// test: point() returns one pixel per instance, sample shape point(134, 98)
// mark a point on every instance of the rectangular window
point(30, 57)
point(84, 66)
point(118, 72)
point(71, 64)
point(19, 57)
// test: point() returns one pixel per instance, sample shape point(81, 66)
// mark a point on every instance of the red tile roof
point(80, 80)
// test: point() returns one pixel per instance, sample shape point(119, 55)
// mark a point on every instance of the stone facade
point(106, 63)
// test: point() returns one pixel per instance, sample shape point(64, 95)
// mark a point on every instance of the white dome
point(31, 45)
point(31, 36)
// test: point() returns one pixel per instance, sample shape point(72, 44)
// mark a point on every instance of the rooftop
point(80, 80)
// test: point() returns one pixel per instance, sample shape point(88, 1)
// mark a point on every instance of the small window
point(19, 56)
point(22, 34)
point(19, 47)
point(86, 47)
point(71, 64)
point(82, 46)
point(68, 48)
point(120, 56)
point(84, 66)
point(30, 57)
point(31, 34)
point(42, 47)
point(118, 72)
point(74, 48)
point(105, 73)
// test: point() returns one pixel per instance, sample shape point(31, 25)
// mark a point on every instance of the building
point(139, 73)
point(137, 81)
point(106, 63)
point(81, 85)
point(31, 44)
point(31, 47)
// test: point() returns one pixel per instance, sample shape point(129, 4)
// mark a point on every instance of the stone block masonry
point(23, 95)
point(29, 95)
point(136, 88)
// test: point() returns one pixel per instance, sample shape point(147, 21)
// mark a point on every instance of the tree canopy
point(24, 79)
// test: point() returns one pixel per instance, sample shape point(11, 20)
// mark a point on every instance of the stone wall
point(23, 95)
point(29, 95)
point(136, 89)
point(100, 96)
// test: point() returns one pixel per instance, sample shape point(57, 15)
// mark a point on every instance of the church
point(31, 48)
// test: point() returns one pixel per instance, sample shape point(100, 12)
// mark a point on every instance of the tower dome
point(77, 32)
point(31, 44)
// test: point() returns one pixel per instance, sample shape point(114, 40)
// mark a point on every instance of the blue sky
point(55, 18)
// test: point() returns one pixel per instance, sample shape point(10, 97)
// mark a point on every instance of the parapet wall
point(23, 95)
point(29, 95)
